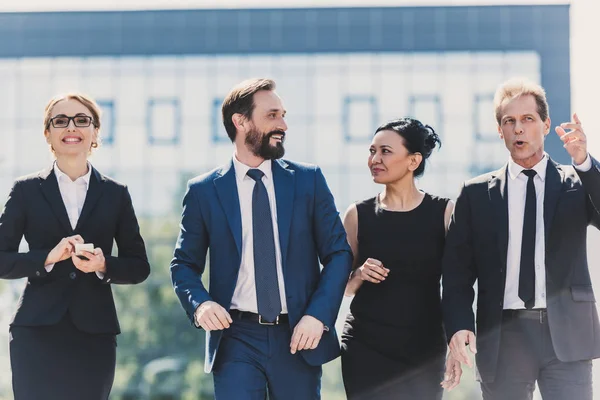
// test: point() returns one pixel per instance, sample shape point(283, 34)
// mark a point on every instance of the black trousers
point(370, 375)
point(527, 355)
point(60, 362)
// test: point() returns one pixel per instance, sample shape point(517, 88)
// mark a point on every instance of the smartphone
point(80, 247)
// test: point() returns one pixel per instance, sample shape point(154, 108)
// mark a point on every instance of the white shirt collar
point(242, 169)
point(515, 169)
point(61, 175)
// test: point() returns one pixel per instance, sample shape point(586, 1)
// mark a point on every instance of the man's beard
point(259, 144)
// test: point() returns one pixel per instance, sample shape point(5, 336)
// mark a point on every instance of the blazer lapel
point(498, 192)
point(227, 192)
point(94, 193)
point(283, 180)
point(51, 192)
point(552, 190)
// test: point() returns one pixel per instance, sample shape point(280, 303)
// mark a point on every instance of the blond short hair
point(517, 87)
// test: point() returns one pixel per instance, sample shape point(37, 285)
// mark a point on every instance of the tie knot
point(530, 173)
point(255, 174)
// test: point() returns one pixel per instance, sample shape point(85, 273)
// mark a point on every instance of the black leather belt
point(540, 314)
point(253, 317)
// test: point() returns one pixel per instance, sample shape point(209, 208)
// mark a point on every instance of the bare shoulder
point(351, 214)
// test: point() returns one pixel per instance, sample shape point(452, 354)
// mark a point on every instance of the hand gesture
point(458, 346)
point(95, 261)
point(63, 250)
point(372, 271)
point(211, 316)
point(452, 374)
point(574, 140)
point(307, 334)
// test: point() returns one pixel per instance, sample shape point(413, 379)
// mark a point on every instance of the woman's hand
point(372, 271)
point(95, 261)
point(63, 250)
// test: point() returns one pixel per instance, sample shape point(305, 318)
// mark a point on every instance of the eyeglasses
point(80, 121)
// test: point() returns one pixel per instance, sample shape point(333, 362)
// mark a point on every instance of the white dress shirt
point(517, 193)
point(73, 194)
point(244, 296)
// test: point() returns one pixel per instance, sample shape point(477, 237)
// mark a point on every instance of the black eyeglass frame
point(69, 119)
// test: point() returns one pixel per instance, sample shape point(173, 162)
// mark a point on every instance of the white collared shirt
point(244, 296)
point(73, 194)
point(517, 193)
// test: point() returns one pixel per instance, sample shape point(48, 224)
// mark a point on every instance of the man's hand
point(307, 334)
point(452, 374)
point(574, 140)
point(458, 346)
point(212, 317)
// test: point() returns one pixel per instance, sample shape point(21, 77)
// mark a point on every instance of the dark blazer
point(476, 249)
point(309, 230)
point(35, 210)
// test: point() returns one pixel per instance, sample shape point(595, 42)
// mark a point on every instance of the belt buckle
point(261, 322)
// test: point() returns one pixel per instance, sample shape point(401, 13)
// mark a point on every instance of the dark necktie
point(527, 272)
point(265, 265)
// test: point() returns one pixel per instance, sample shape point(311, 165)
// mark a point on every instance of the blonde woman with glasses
point(63, 335)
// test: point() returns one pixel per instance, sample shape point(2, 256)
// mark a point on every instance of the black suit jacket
point(476, 249)
point(35, 210)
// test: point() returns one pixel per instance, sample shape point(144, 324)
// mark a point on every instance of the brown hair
point(87, 101)
point(517, 87)
point(240, 100)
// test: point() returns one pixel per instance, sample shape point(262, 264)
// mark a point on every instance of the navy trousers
point(254, 359)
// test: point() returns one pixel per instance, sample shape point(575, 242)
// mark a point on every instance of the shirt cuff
point(49, 267)
point(586, 165)
point(100, 275)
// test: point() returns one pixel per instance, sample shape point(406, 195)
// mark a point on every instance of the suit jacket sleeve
point(131, 266)
point(334, 253)
point(187, 265)
point(458, 270)
point(591, 184)
point(15, 265)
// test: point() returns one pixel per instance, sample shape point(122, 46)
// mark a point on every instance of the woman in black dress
point(63, 335)
point(393, 344)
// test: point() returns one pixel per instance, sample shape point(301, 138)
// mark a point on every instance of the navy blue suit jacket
point(35, 210)
point(310, 231)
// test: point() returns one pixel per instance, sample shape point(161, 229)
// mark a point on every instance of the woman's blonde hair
point(85, 100)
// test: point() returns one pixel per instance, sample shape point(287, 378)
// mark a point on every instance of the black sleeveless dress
point(393, 344)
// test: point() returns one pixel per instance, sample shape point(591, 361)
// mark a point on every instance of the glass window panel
point(163, 121)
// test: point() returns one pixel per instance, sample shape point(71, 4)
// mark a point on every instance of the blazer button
point(37, 273)
point(72, 275)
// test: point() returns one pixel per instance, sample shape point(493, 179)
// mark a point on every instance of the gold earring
point(94, 145)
